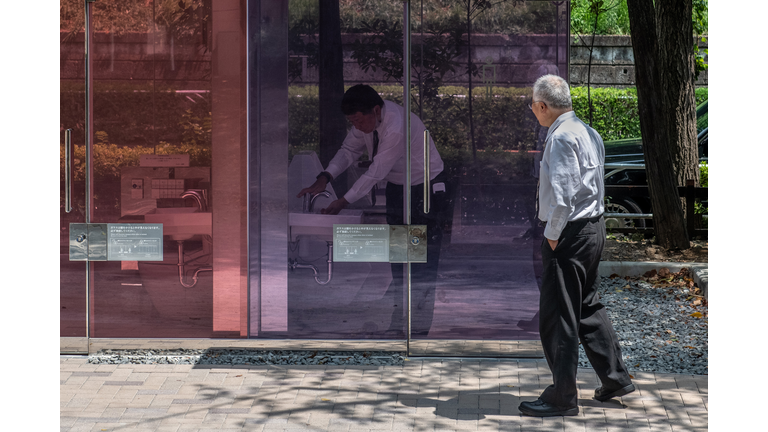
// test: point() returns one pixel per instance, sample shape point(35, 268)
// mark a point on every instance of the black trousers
point(570, 311)
point(423, 275)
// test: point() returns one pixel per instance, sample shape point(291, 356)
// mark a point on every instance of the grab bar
point(427, 195)
point(68, 170)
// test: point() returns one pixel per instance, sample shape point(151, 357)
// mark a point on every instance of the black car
point(625, 166)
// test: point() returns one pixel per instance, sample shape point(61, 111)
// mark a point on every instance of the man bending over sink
point(377, 127)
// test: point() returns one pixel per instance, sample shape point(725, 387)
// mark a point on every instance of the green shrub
point(614, 111)
point(504, 126)
point(108, 158)
point(138, 114)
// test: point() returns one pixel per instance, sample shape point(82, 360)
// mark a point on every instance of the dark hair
point(360, 98)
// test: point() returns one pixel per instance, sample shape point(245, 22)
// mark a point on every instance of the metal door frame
point(88, 126)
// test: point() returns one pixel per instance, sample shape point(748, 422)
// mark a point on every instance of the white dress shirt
point(389, 162)
point(571, 176)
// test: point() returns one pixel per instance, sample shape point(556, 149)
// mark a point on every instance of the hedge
point(504, 126)
point(129, 121)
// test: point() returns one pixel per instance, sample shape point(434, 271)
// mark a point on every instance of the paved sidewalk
point(422, 395)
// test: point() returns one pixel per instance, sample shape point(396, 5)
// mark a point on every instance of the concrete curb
point(638, 268)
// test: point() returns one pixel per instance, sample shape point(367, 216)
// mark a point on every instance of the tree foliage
point(612, 19)
point(178, 18)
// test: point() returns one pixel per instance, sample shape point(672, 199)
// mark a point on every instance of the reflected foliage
point(503, 145)
point(504, 17)
point(505, 122)
point(188, 19)
point(140, 114)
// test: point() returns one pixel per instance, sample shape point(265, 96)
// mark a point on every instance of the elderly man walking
point(571, 205)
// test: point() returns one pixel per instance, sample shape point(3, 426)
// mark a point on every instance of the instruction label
point(361, 243)
point(168, 161)
point(135, 242)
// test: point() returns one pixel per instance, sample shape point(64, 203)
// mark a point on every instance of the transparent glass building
point(209, 116)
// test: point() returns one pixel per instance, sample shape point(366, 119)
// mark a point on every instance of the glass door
point(472, 67)
point(72, 292)
point(303, 292)
point(155, 95)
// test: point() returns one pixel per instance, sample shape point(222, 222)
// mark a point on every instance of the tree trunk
point(674, 28)
point(333, 125)
point(668, 220)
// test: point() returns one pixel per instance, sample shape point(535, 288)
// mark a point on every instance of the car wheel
point(624, 205)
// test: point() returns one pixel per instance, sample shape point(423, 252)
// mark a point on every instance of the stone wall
point(518, 60)
point(613, 62)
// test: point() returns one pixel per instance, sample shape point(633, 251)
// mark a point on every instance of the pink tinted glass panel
point(156, 94)
point(72, 109)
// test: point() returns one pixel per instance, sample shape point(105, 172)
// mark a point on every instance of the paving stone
point(423, 395)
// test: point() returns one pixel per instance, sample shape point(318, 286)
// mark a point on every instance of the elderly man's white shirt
point(389, 163)
point(571, 177)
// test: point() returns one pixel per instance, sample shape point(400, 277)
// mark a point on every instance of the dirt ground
point(623, 248)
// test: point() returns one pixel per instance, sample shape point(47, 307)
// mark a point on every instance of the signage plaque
point(135, 242)
point(164, 161)
point(361, 243)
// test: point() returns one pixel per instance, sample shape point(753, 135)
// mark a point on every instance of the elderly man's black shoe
point(539, 408)
point(602, 394)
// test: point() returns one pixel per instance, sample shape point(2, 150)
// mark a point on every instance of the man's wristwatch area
point(325, 174)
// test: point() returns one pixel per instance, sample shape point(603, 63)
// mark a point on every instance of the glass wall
point(169, 140)
point(486, 278)
point(214, 137)
point(490, 143)
point(72, 107)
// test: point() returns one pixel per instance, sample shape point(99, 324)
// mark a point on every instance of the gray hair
point(553, 90)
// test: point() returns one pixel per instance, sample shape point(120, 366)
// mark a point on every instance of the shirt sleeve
point(389, 152)
point(565, 179)
point(351, 150)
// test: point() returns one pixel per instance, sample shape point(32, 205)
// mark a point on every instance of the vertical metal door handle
point(68, 170)
point(427, 194)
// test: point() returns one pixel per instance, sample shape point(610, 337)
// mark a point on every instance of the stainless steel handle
point(68, 156)
point(427, 194)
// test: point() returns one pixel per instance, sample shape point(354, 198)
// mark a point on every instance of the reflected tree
point(333, 124)
point(382, 50)
point(473, 9)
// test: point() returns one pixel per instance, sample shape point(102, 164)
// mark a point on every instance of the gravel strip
point(247, 357)
point(659, 327)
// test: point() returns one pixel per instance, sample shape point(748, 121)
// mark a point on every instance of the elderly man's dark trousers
point(570, 311)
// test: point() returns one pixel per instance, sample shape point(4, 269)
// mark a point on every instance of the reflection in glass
point(72, 94)
point(159, 91)
point(487, 276)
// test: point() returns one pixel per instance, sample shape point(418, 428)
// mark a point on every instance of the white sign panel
point(135, 242)
point(164, 161)
point(361, 243)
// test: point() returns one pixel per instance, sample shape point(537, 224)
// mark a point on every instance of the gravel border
point(220, 356)
point(656, 327)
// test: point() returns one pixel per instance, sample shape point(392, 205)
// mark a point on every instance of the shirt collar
point(383, 113)
point(560, 120)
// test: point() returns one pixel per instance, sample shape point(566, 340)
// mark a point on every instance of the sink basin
point(321, 225)
point(181, 223)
